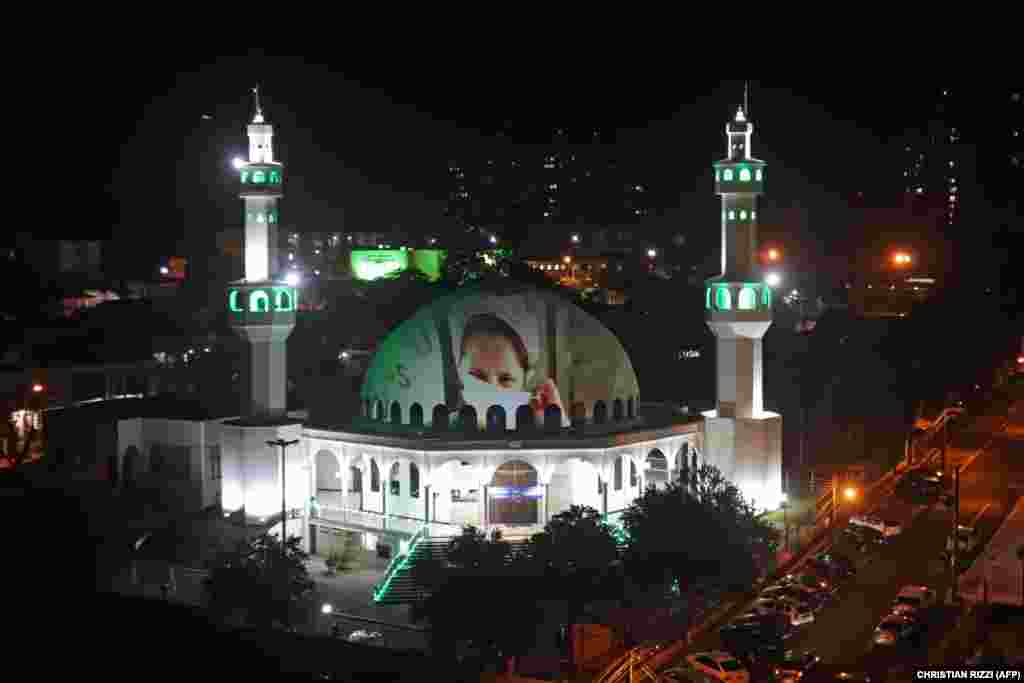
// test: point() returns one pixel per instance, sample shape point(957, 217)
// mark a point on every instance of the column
point(547, 511)
point(426, 506)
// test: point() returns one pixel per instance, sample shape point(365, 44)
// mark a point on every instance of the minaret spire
point(746, 102)
point(258, 118)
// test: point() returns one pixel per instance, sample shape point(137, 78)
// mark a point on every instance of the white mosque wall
point(570, 474)
point(174, 455)
point(748, 451)
point(251, 469)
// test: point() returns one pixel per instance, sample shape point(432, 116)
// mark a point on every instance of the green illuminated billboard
point(370, 264)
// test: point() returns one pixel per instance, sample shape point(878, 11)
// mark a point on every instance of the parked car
point(897, 629)
point(720, 666)
point(863, 537)
point(753, 636)
point(887, 528)
point(968, 537)
point(363, 636)
point(793, 666)
point(912, 600)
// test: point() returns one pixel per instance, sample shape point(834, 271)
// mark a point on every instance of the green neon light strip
point(233, 301)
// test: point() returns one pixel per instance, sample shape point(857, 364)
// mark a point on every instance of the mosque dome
point(517, 346)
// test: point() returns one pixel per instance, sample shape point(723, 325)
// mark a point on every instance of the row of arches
point(259, 177)
point(467, 418)
point(259, 300)
point(726, 175)
point(721, 298)
point(461, 492)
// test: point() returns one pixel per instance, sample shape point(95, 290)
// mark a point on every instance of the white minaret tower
point(261, 308)
point(742, 439)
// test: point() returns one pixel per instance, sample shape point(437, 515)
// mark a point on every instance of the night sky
point(366, 148)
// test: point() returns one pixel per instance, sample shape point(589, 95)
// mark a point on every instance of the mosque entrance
point(513, 497)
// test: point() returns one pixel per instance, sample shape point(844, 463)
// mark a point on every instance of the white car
point(885, 527)
point(363, 636)
point(911, 599)
point(720, 666)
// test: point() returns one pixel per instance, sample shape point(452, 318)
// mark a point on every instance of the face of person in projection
point(493, 359)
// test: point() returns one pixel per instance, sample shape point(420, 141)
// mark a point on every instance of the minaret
point(261, 308)
point(742, 439)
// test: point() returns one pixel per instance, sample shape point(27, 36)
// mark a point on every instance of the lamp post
point(284, 508)
point(955, 552)
point(785, 523)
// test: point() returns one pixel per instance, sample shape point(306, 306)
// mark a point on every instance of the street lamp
point(37, 388)
point(651, 253)
point(773, 279)
point(284, 509)
point(238, 162)
point(901, 258)
point(850, 493)
point(575, 238)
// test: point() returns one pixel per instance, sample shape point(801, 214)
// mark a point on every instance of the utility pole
point(284, 506)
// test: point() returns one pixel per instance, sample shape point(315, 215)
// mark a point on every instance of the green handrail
point(400, 561)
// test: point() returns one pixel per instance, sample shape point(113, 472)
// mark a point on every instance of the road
point(841, 634)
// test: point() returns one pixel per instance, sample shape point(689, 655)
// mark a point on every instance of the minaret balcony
point(261, 180)
point(735, 177)
point(263, 303)
point(737, 301)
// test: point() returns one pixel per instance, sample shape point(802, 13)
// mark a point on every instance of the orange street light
point(567, 259)
point(850, 493)
point(901, 258)
point(773, 255)
point(37, 388)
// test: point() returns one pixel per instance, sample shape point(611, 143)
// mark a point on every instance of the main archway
point(329, 490)
point(513, 495)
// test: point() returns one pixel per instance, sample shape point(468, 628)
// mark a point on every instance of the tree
point(261, 582)
point(724, 538)
point(479, 571)
point(574, 554)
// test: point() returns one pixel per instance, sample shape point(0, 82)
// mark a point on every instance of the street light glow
point(164, 270)
point(36, 388)
point(494, 240)
point(652, 253)
point(575, 238)
point(850, 493)
point(292, 279)
point(327, 608)
point(773, 254)
point(238, 162)
point(773, 279)
point(901, 258)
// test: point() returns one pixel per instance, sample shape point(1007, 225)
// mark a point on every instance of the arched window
point(259, 302)
point(379, 413)
point(732, 215)
point(726, 175)
point(758, 176)
point(766, 297)
point(617, 475)
point(355, 480)
point(723, 300)
point(707, 299)
point(439, 418)
point(396, 413)
point(633, 479)
point(552, 418)
point(718, 176)
point(630, 407)
point(743, 214)
point(748, 299)
point(272, 216)
point(414, 480)
point(233, 301)
point(745, 175)
point(259, 216)
point(284, 301)
point(496, 419)
point(368, 409)
point(617, 411)
point(600, 412)
point(467, 419)
point(525, 420)
point(275, 177)
point(753, 215)
point(416, 415)
point(394, 480)
point(245, 177)
point(259, 177)
point(374, 476)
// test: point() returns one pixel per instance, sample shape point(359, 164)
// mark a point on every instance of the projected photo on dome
point(485, 349)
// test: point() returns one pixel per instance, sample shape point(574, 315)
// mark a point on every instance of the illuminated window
point(272, 217)
point(732, 215)
point(275, 177)
point(259, 216)
point(233, 301)
point(753, 215)
point(284, 300)
point(259, 177)
point(259, 302)
point(766, 297)
point(748, 299)
point(743, 215)
point(745, 175)
point(757, 175)
point(723, 300)
point(245, 176)
point(707, 299)
point(727, 174)
point(718, 176)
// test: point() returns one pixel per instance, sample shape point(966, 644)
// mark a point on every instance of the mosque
point(497, 408)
